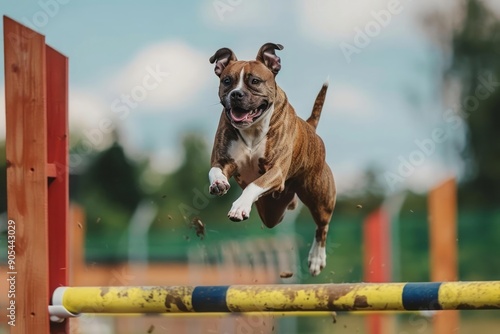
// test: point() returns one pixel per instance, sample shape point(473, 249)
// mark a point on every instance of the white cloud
point(85, 109)
point(235, 13)
point(427, 176)
point(166, 160)
point(419, 179)
point(327, 20)
point(90, 118)
point(350, 101)
point(350, 178)
point(163, 76)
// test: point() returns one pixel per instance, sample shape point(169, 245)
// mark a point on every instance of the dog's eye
point(255, 81)
point(226, 81)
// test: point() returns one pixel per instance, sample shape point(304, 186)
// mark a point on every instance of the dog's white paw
point(317, 258)
point(239, 211)
point(219, 184)
point(219, 187)
point(242, 206)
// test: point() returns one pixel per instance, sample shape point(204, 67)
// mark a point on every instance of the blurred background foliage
point(476, 54)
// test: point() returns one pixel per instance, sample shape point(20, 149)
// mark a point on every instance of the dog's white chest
point(249, 149)
point(247, 159)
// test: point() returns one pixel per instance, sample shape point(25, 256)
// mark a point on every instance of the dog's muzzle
point(239, 112)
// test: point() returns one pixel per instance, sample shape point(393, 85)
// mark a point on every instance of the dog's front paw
point(219, 187)
point(317, 258)
point(219, 184)
point(239, 211)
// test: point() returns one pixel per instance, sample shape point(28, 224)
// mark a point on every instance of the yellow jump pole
point(281, 298)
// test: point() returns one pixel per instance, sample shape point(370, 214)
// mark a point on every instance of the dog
point(274, 155)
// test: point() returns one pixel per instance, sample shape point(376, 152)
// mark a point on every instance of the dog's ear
point(221, 58)
point(268, 57)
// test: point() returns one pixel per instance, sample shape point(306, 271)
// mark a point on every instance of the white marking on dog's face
point(239, 86)
point(317, 258)
point(250, 106)
point(242, 206)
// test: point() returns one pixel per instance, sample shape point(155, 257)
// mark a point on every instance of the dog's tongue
point(242, 117)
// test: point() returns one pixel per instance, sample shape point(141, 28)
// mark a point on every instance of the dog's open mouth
point(240, 115)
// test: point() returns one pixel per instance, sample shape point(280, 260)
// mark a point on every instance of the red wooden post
point(377, 260)
point(57, 156)
point(26, 149)
point(377, 242)
point(442, 203)
point(36, 151)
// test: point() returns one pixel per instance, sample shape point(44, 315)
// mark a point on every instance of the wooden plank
point(58, 190)
point(443, 247)
point(51, 171)
point(26, 147)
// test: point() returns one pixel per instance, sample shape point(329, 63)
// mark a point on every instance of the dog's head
point(247, 89)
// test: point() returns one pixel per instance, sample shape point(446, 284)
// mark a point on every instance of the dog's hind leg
point(272, 210)
point(319, 198)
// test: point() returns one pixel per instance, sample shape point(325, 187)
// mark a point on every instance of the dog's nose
point(237, 95)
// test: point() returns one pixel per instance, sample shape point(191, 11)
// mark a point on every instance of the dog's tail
point(318, 106)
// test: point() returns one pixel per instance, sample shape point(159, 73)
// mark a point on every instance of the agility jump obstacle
point(277, 298)
point(36, 93)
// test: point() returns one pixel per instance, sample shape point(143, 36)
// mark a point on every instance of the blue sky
point(382, 99)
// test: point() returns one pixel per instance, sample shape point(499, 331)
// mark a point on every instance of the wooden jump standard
point(36, 99)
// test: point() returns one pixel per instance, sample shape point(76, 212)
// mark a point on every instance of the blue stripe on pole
point(210, 299)
point(421, 296)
